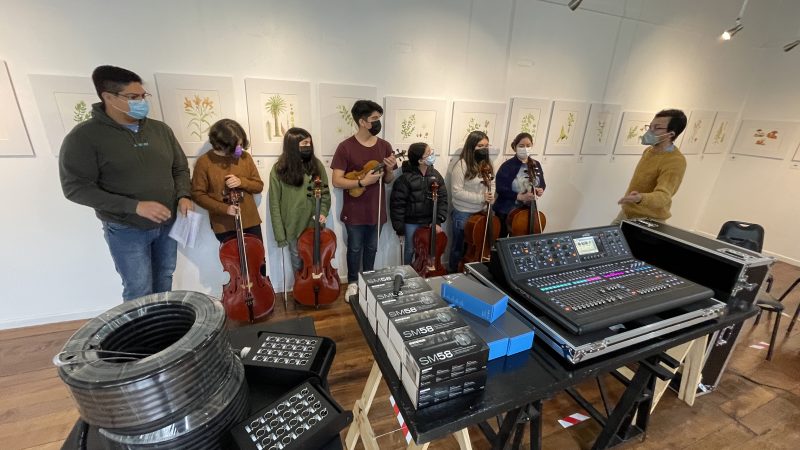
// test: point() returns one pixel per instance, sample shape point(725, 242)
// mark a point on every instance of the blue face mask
point(138, 109)
point(430, 159)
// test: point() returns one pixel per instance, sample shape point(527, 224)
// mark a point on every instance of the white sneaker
point(352, 289)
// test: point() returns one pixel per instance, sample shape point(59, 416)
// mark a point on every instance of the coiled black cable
point(148, 365)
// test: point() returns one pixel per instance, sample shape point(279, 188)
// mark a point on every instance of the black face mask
point(376, 127)
point(481, 154)
point(306, 153)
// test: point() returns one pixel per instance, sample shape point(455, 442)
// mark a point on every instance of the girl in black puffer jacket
point(410, 204)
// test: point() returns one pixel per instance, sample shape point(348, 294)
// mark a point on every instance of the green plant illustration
point(423, 132)
point(719, 135)
point(563, 134)
point(291, 116)
point(408, 125)
point(201, 111)
point(635, 132)
point(528, 124)
point(275, 106)
point(347, 118)
point(696, 129)
point(81, 112)
point(475, 125)
point(600, 131)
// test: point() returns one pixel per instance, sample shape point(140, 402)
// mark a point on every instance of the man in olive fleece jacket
point(132, 171)
point(659, 173)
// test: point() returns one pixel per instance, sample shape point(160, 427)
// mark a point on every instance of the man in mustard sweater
point(659, 173)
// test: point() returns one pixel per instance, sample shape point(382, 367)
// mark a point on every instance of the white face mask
point(523, 152)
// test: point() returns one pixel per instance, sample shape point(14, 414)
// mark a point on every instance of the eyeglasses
point(144, 96)
point(649, 127)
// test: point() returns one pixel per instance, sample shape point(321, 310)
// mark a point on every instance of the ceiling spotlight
point(728, 34)
point(791, 45)
point(573, 4)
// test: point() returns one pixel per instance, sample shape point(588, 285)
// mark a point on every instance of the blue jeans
point(457, 246)
point(144, 259)
point(408, 250)
point(362, 245)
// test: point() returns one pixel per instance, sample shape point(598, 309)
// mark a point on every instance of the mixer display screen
point(585, 245)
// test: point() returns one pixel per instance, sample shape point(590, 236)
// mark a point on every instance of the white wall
point(643, 54)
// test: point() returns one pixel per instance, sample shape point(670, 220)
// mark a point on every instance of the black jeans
point(254, 230)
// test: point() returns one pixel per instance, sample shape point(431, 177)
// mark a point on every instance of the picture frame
point(409, 120)
point(335, 102)
point(567, 127)
point(469, 116)
point(63, 101)
point(601, 128)
point(532, 116)
point(190, 104)
point(274, 106)
point(698, 129)
point(765, 138)
point(723, 132)
point(632, 127)
point(14, 138)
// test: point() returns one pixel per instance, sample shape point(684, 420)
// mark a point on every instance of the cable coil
point(156, 372)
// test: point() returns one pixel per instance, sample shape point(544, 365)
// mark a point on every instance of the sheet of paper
point(186, 228)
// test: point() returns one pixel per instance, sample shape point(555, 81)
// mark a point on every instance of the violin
point(527, 219)
point(371, 166)
point(317, 283)
point(429, 244)
point(481, 229)
point(248, 295)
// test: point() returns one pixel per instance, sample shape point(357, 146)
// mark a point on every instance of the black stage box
point(734, 274)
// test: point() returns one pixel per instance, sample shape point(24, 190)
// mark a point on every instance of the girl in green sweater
point(291, 208)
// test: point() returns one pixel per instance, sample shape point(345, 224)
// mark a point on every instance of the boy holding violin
point(360, 213)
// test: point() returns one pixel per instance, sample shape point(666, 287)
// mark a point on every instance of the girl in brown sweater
point(227, 165)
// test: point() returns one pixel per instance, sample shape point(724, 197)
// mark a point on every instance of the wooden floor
point(757, 405)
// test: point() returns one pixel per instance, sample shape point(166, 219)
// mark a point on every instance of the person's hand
point(539, 192)
point(185, 205)
point(232, 210)
point(389, 162)
point(438, 228)
point(154, 211)
point(632, 197)
point(232, 181)
point(525, 197)
point(371, 178)
point(322, 218)
point(489, 197)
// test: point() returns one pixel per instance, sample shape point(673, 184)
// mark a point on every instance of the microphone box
point(520, 335)
point(414, 326)
point(444, 390)
point(403, 306)
point(441, 356)
point(380, 276)
point(495, 340)
point(473, 297)
point(385, 291)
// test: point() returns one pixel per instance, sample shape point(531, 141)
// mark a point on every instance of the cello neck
point(317, 209)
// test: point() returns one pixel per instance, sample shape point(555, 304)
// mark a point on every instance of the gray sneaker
point(352, 289)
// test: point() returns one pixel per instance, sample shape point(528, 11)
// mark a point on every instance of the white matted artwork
point(796, 156)
point(63, 101)
point(631, 129)
point(335, 102)
point(476, 116)
point(410, 120)
point(14, 139)
point(600, 128)
point(764, 138)
point(567, 125)
point(191, 104)
point(528, 115)
point(722, 132)
point(698, 128)
point(274, 106)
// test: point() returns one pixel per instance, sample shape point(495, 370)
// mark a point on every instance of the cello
point(429, 244)
point(248, 295)
point(526, 220)
point(317, 283)
point(481, 229)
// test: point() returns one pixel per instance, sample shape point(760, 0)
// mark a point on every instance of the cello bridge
point(316, 276)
